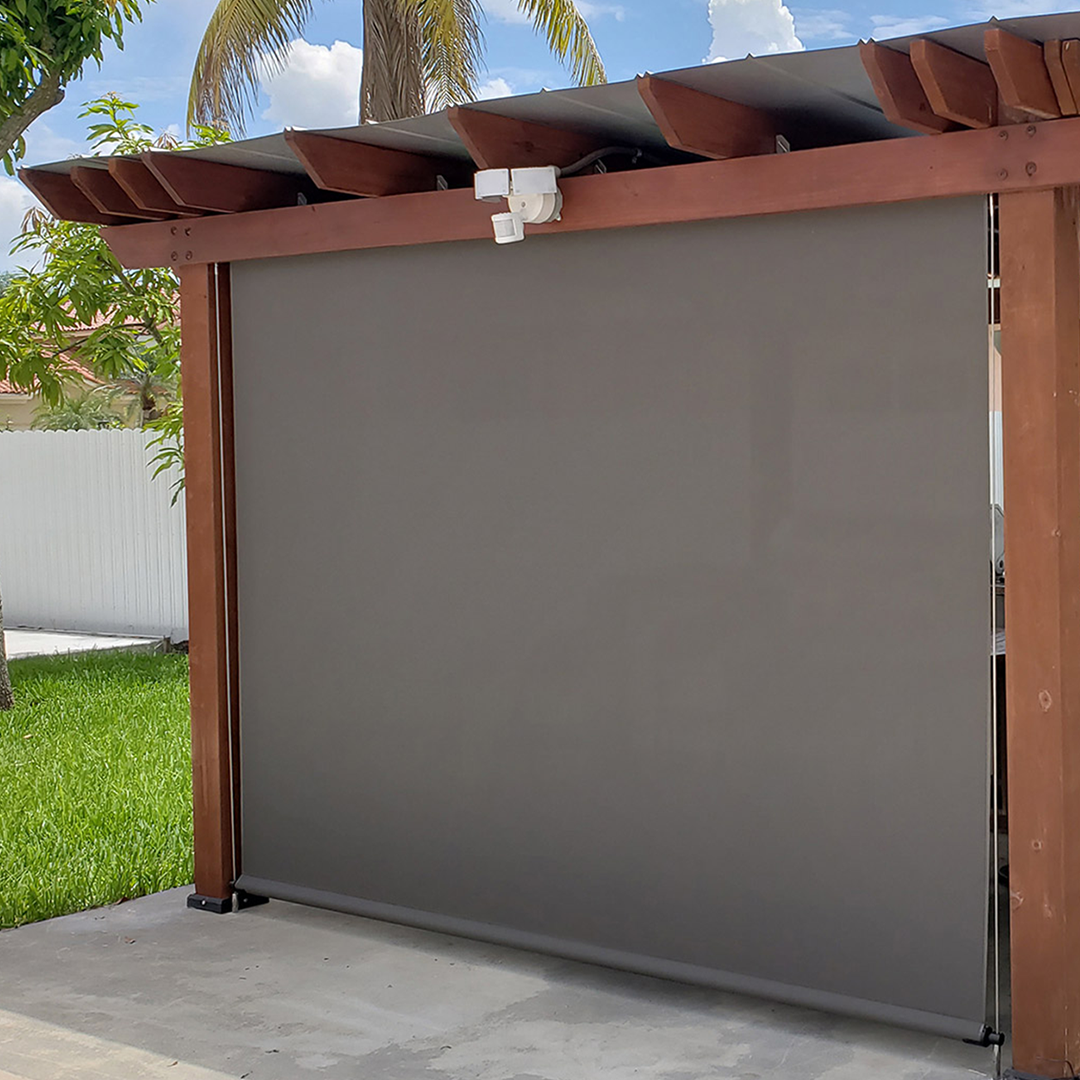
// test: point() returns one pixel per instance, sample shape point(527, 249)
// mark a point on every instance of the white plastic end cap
point(491, 185)
point(536, 209)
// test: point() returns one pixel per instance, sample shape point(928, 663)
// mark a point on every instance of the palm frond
point(244, 41)
point(568, 37)
point(452, 44)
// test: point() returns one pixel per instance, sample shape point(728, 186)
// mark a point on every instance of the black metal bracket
point(216, 904)
point(987, 1037)
point(246, 900)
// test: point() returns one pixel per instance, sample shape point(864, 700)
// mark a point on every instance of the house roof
point(75, 370)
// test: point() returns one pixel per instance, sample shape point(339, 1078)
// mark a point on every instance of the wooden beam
point(198, 184)
point(898, 90)
point(1021, 74)
point(209, 617)
point(107, 195)
point(958, 88)
point(355, 168)
point(1026, 157)
point(501, 142)
point(1070, 61)
point(702, 124)
point(144, 190)
point(1054, 59)
point(59, 195)
point(1040, 379)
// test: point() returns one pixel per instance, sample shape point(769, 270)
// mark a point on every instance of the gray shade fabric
point(626, 595)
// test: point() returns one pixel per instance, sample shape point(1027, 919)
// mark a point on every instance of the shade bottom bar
point(825, 1000)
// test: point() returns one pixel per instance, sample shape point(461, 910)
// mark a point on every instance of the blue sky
point(318, 86)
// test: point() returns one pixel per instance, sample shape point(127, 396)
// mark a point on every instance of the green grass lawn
point(95, 782)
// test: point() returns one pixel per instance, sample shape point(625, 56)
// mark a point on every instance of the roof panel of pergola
point(938, 81)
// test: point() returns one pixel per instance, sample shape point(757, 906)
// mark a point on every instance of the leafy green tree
point(44, 44)
point(73, 281)
point(88, 409)
point(418, 54)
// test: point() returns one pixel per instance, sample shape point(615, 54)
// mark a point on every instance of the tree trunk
point(46, 94)
point(7, 698)
point(391, 80)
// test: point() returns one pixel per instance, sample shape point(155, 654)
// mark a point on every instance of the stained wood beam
point(198, 184)
point(107, 195)
point(1021, 74)
point(203, 292)
point(959, 88)
point(501, 142)
point(1070, 61)
point(706, 125)
point(1053, 57)
point(898, 90)
point(1019, 158)
point(355, 168)
point(1040, 382)
point(144, 189)
point(59, 195)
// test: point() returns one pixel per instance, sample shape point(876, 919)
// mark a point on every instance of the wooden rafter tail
point(99, 186)
point(703, 124)
point(958, 88)
point(197, 184)
point(502, 142)
point(144, 190)
point(1070, 61)
point(1054, 59)
point(59, 195)
point(1020, 70)
point(898, 90)
point(355, 168)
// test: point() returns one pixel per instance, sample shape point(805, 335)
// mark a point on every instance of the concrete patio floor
point(22, 643)
point(151, 989)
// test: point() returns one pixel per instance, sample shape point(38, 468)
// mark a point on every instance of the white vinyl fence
point(88, 541)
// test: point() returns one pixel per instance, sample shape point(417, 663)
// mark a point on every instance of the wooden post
point(1040, 324)
point(205, 365)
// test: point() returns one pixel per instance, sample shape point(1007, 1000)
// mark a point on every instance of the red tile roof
point(78, 371)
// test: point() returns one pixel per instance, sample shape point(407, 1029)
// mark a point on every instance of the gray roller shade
point(625, 594)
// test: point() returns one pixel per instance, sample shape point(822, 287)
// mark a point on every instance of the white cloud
point(318, 86)
point(824, 25)
point(493, 88)
point(43, 145)
point(592, 10)
point(758, 27)
point(507, 11)
point(891, 26)
point(15, 200)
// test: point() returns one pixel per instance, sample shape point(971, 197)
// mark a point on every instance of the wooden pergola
point(1002, 123)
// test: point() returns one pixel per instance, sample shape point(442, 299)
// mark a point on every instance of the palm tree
point(418, 54)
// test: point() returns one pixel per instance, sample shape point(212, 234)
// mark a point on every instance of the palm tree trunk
point(391, 80)
point(7, 698)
